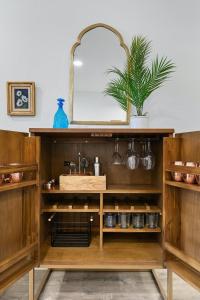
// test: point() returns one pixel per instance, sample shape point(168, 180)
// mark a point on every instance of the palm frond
point(160, 72)
point(118, 89)
point(138, 81)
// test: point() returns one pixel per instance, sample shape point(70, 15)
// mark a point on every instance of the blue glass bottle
point(60, 117)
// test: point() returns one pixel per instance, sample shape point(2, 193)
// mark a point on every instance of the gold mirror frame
point(71, 77)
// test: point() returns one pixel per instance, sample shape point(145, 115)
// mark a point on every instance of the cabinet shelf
point(7, 169)
point(74, 208)
point(131, 209)
point(5, 264)
point(95, 208)
point(57, 190)
point(183, 169)
point(185, 273)
point(183, 185)
point(116, 255)
point(183, 256)
point(21, 269)
point(113, 189)
point(133, 189)
point(131, 229)
point(14, 186)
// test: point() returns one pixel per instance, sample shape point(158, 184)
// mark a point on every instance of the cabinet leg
point(31, 285)
point(159, 284)
point(169, 284)
point(42, 284)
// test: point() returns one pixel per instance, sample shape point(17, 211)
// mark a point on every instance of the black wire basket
point(71, 234)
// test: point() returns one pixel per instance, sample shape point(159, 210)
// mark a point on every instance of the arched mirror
point(99, 47)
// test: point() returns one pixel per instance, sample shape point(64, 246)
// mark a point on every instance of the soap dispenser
point(60, 117)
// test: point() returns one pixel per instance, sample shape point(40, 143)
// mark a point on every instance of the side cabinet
point(182, 210)
point(19, 206)
point(177, 202)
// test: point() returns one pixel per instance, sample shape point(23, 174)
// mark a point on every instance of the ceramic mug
point(1, 179)
point(197, 177)
point(16, 177)
point(189, 178)
point(176, 175)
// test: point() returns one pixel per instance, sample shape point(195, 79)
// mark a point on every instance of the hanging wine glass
point(148, 160)
point(143, 152)
point(133, 158)
point(116, 157)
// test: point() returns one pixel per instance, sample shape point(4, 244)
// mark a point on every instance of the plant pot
point(139, 121)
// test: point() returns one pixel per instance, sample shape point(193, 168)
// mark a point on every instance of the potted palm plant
point(138, 80)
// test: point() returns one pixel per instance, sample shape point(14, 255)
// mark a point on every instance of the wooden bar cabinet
point(26, 207)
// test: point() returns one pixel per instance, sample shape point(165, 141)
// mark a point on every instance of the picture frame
point(21, 98)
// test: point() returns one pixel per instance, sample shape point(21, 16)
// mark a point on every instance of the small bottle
point(96, 166)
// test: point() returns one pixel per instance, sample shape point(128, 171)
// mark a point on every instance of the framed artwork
point(21, 98)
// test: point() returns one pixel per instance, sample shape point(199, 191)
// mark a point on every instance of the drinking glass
point(110, 220)
point(177, 176)
point(138, 220)
point(116, 157)
point(16, 177)
point(133, 158)
point(1, 179)
point(152, 220)
point(143, 153)
point(189, 178)
point(148, 160)
point(198, 176)
point(124, 220)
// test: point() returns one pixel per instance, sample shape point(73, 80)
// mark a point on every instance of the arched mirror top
point(99, 25)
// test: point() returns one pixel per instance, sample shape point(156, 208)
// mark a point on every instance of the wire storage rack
point(71, 234)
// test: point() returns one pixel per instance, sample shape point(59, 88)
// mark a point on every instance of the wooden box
point(78, 182)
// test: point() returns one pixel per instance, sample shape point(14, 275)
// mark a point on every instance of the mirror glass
point(98, 51)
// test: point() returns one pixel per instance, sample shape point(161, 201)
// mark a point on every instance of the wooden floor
point(116, 255)
point(64, 285)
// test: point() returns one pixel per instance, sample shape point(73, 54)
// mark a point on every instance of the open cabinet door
point(182, 210)
point(19, 206)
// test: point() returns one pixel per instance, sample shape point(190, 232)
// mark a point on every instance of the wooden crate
point(92, 183)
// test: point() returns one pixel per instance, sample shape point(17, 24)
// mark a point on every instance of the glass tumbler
point(124, 220)
point(152, 220)
point(138, 220)
point(110, 220)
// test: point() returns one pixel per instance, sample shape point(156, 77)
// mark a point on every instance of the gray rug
point(64, 285)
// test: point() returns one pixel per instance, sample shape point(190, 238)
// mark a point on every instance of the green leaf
point(137, 81)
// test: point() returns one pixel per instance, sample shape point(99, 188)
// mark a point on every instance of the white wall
point(36, 36)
